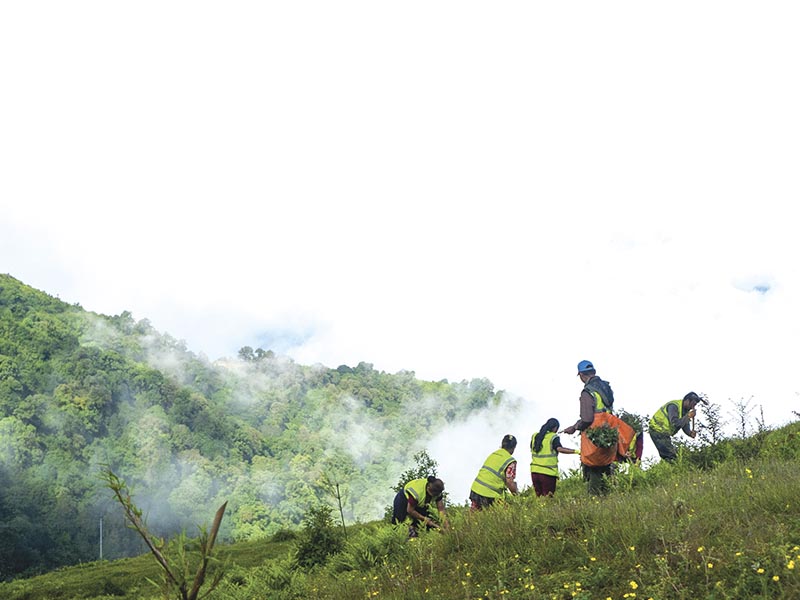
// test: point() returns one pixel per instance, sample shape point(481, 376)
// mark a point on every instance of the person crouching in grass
point(413, 502)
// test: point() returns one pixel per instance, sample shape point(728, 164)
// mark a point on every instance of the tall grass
point(730, 533)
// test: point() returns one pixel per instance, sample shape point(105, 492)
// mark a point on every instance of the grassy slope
point(127, 578)
point(669, 532)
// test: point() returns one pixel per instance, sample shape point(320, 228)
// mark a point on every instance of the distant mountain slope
point(79, 390)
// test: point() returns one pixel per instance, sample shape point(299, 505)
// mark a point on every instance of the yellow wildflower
point(700, 548)
point(776, 578)
point(710, 565)
point(634, 585)
point(790, 564)
point(760, 571)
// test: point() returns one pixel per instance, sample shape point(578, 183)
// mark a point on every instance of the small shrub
point(319, 538)
point(284, 535)
point(370, 548)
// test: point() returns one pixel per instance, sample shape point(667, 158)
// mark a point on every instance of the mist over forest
point(81, 391)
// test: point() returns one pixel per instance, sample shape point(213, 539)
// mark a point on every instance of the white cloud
point(457, 190)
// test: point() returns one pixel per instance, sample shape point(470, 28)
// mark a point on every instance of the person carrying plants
point(596, 398)
point(674, 416)
point(413, 502)
point(545, 448)
point(498, 474)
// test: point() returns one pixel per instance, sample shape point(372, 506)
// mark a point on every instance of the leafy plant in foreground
point(173, 558)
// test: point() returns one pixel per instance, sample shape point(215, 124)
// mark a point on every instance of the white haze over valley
point(454, 189)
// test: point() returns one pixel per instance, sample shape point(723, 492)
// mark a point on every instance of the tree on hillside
point(424, 466)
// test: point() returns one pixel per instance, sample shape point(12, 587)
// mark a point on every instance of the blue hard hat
point(584, 366)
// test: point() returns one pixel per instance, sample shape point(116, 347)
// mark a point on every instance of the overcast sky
point(459, 189)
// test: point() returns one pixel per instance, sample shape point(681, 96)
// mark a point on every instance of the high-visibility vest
point(417, 489)
point(491, 479)
point(545, 461)
point(599, 405)
point(660, 421)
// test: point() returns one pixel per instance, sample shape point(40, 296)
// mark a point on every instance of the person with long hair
point(545, 448)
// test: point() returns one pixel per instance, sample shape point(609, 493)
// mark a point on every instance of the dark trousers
point(663, 443)
point(544, 485)
point(478, 502)
point(596, 477)
point(400, 510)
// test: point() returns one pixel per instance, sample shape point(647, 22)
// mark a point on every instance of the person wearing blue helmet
point(596, 397)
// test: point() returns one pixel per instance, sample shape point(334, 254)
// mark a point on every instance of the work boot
point(412, 532)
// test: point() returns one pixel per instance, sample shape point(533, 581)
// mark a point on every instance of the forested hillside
point(80, 390)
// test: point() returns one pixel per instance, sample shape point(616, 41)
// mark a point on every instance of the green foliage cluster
point(79, 390)
point(319, 538)
point(637, 422)
point(424, 466)
point(672, 531)
point(603, 436)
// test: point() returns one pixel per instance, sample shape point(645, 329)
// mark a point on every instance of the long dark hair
point(537, 441)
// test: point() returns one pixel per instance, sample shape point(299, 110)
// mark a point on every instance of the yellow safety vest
point(417, 489)
point(599, 405)
point(660, 421)
point(491, 479)
point(546, 460)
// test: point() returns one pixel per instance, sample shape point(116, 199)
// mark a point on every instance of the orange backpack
point(594, 456)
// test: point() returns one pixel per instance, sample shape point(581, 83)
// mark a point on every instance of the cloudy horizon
point(454, 190)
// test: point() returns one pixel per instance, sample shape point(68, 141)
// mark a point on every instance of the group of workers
point(498, 473)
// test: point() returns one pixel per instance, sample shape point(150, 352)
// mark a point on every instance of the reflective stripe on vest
point(599, 406)
point(660, 421)
point(491, 479)
point(546, 460)
point(417, 489)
